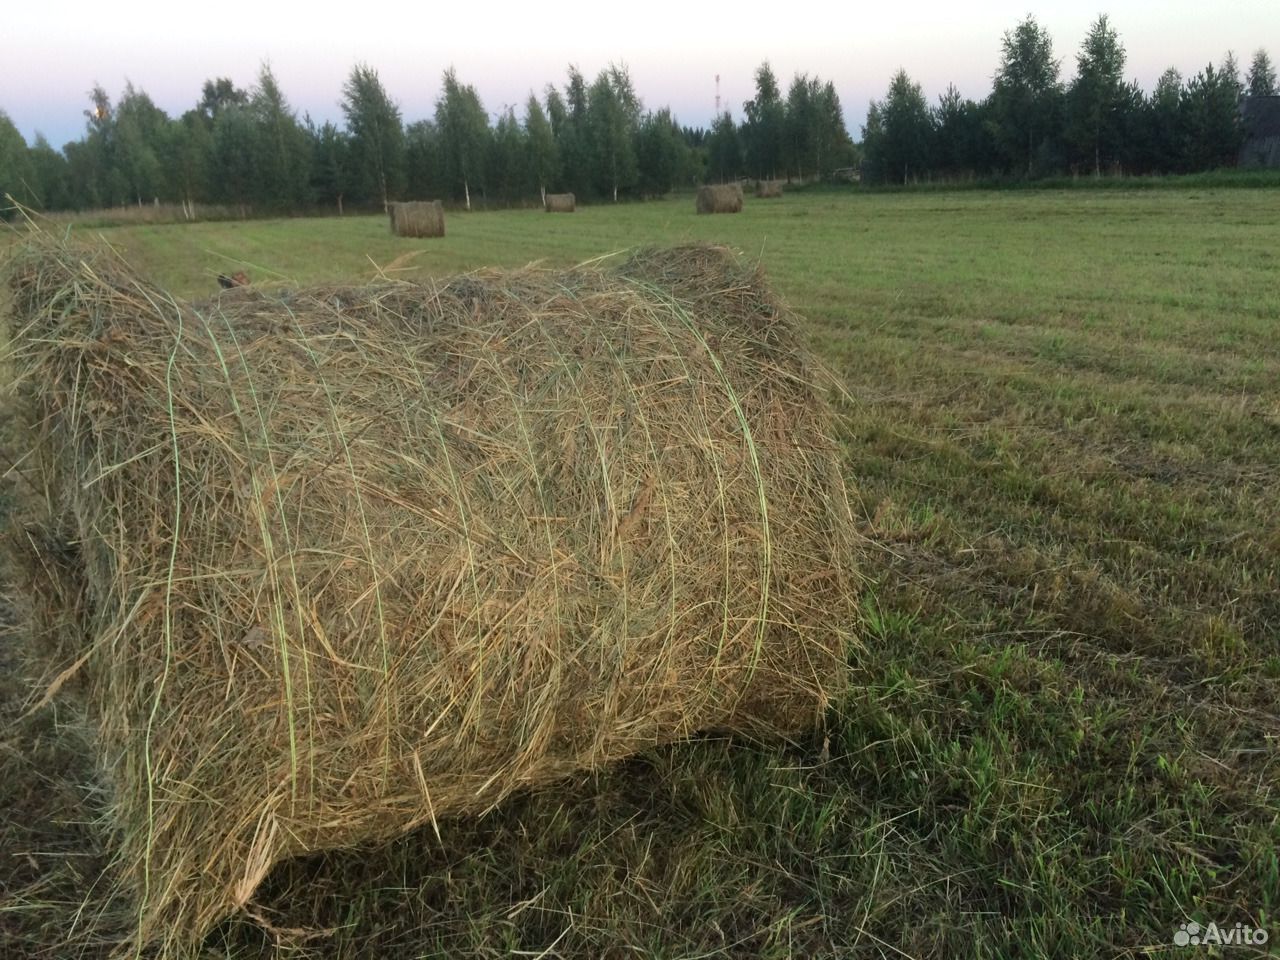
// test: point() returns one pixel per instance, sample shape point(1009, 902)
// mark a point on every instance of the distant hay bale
point(720, 198)
point(559, 203)
point(768, 188)
point(417, 218)
point(336, 563)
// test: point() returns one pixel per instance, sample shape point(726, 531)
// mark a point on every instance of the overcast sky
point(54, 51)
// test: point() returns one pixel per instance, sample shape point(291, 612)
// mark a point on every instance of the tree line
point(1035, 124)
point(249, 149)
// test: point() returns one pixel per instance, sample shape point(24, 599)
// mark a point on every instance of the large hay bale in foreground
point(720, 198)
point(768, 188)
point(342, 562)
point(559, 203)
point(417, 218)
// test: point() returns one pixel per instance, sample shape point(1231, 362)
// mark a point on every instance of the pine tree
point(1229, 74)
point(798, 149)
point(1166, 125)
point(577, 154)
point(1210, 112)
point(659, 153)
point(950, 133)
point(508, 158)
point(328, 167)
point(724, 151)
point(832, 146)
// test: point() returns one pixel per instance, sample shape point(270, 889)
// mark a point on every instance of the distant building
point(1261, 119)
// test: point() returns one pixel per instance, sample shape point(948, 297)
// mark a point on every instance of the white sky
point(52, 52)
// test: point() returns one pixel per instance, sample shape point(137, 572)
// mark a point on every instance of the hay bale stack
point(720, 198)
point(417, 218)
point(559, 203)
point(342, 562)
point(768, 188)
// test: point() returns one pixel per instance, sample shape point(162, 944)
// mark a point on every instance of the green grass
point(1062, 427)
point(1232, 178)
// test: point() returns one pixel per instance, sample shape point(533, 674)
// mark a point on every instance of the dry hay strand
point(559, 203)
point(768, 188)
point(400, 264)
point(341, 562)
point(720, 198)
point(417, 218)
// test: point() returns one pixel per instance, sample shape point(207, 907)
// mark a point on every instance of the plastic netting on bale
point(341, 562)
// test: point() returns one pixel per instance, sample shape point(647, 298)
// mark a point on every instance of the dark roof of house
point(1261, 117)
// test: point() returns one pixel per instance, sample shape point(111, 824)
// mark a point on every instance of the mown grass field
point(1062, 427)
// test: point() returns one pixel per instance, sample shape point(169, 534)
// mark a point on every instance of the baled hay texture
point(559, 203)
point(720, 198)
point(768, 188)
point(346, 561)
point(417, 218)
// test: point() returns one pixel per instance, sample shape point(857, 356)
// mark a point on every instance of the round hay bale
point(417, 218)
point(768, 188)
point(341, 562)
point(559, 203)
point(720, 198)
